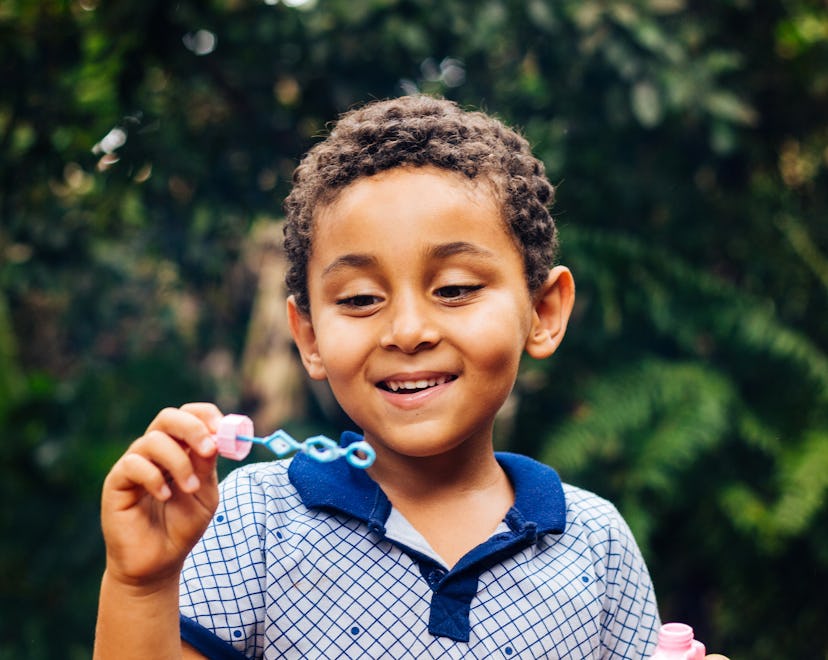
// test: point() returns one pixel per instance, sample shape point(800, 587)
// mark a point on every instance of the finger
point(208, 413)
point(133, 470)
point(205, 467)
point(170, 456)
point(186, 428)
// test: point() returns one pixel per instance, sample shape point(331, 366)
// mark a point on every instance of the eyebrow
point(354, 260)
point(446, 250)
point(441, 251)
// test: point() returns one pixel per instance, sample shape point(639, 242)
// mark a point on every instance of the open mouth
point(412, 386)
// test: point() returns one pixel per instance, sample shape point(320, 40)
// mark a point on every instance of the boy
point(421, 268)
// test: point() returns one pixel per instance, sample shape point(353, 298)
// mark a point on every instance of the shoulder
point(266, 474)
point(596, 517)
point(257, 483)
point(590, 510)
point(253, 498)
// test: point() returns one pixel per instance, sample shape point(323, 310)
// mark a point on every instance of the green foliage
point(140, 142)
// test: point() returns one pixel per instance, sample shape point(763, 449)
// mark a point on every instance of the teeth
point(423, 383)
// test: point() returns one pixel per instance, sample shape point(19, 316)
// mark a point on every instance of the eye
point(457, 292)
point(359, 301)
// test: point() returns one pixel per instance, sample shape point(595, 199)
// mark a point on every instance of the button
point(435, 575)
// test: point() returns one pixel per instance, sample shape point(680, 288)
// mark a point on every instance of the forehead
point(417, 200)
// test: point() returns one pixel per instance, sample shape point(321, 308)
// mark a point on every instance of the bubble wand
point(235, 439)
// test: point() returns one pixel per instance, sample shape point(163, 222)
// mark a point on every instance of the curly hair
point(417, 131)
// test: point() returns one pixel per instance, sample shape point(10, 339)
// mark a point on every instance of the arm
point(189, 653)
point(125, 615)
point(157, 501)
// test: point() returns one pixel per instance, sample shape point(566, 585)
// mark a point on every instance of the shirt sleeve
point(631, 622)
point(222, 582)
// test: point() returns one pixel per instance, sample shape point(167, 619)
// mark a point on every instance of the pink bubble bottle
point(675, 642)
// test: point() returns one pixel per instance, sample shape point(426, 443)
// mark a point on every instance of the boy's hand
point(159, 497)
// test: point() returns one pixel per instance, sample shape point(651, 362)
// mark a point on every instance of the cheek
point(495, 358)
point(341, 348)
point(498, 339)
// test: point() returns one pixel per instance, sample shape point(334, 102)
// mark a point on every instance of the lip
point(407, 399)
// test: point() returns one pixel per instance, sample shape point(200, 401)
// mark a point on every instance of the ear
point(553, 306)
point(304, 336)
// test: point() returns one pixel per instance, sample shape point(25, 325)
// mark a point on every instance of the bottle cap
point(675, 640)
point(675, 636)
point(227, 439)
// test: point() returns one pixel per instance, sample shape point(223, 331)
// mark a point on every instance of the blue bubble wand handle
point(235, 439)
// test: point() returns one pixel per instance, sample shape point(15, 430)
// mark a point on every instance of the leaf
point(646, 104)
point(728, 106)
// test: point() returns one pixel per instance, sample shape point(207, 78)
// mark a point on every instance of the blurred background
point(145, 149)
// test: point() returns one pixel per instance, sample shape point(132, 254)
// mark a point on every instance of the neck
point(455, 500)
point(462, 469)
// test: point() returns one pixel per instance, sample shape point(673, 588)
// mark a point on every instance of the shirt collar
point(338, 486)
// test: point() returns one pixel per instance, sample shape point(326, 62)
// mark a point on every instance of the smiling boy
point(421, 255)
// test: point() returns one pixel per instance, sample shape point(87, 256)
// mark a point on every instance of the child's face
point(420, 309)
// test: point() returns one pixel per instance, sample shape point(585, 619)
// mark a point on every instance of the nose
point(411, 328)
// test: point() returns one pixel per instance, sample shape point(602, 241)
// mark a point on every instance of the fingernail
point(192, 484)
point(165, 493)
point(207, 446)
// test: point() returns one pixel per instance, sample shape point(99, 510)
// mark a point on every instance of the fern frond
point(802, 491)
point(658, 414)
point(637, 283)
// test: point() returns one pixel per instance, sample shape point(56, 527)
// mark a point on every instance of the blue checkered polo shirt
point(309, 560)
